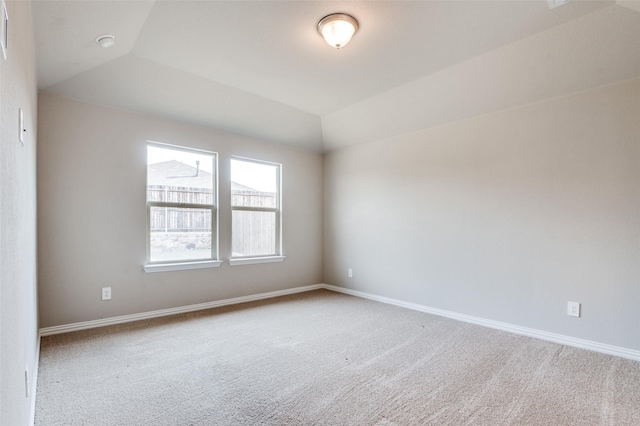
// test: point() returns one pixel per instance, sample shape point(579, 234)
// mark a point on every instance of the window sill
point(165, 267)
point(252, 260)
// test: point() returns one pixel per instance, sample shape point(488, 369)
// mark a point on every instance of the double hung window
point(255, 209)
point(181, 205)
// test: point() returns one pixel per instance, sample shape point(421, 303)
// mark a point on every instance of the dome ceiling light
point(337, 29)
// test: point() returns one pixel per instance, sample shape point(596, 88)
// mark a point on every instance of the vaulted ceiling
point(259, 68)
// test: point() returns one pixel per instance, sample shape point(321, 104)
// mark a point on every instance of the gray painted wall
point(18, 307)
point(505, 216)
point(88, 242)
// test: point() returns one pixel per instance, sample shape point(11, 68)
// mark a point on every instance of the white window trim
point(166, 267)
point(270, 258)
point(252, 260)
point(178, 265)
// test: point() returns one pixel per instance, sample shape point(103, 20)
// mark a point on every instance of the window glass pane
point(179, 234)
point(177, 176)
point(253, 184)
point(254, 233)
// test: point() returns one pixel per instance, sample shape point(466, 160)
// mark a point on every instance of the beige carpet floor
point(323, 358)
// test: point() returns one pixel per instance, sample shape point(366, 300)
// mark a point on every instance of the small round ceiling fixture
point(337, 29)
point(106, 40)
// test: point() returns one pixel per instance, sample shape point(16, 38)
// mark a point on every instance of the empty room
point(319, 212)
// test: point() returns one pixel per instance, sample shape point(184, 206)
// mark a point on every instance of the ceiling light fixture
point(337, 29)
point(106, 40)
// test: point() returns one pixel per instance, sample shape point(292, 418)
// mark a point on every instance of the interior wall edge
point(34, 384)
point(503, 326)
point(497, 325)
point(122, 319)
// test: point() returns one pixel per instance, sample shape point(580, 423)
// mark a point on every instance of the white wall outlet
point(350, 273)
point(4, 29)
point(573, 309)
point(106, 293)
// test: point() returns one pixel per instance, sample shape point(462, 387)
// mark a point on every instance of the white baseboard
point(524, 331)
point(48, 331)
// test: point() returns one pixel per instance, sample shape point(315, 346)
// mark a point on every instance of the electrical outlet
point(21, 128)
point(573, 309)
point(350, 273)
point(106, 293)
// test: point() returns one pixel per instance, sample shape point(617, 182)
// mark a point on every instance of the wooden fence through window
point(253, 233)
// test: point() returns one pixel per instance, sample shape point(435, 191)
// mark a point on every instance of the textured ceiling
point(259, 68)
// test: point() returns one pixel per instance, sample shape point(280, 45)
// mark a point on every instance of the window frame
point(277, 256)
point(179, 264)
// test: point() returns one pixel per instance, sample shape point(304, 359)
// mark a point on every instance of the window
point(181, 206)
point(255, 210)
